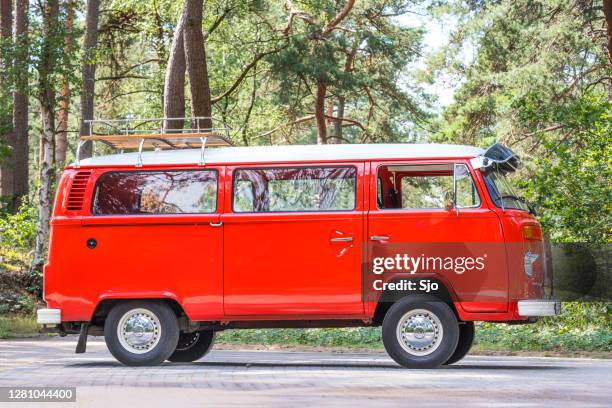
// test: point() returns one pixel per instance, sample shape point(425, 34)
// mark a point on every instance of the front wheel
point(193, 346)
point(141, 332)
point(420, 331)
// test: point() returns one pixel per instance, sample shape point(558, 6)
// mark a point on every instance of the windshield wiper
point(517, 198)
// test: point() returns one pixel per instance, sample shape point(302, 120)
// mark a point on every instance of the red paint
point(267, 266)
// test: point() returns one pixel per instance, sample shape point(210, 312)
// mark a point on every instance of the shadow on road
point(370, 366)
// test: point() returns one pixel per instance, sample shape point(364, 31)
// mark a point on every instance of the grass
point(498, 337)
point(490, 338)
point(354, 337)
point(18, 327)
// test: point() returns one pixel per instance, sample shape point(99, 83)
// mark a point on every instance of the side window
point(467, 195)
point(244, 196)
point(425, 187)
point(425, 191)
point(156, 192)
point(294, 189)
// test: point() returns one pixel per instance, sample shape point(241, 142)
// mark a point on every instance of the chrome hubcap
point(139, 331)
point(419, 332)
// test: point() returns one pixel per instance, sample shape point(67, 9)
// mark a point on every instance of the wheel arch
point(389, 297)
point(106, 303)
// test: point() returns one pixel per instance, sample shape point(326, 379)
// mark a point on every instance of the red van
point(159, 250)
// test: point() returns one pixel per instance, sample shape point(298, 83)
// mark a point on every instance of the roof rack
point(157, 133)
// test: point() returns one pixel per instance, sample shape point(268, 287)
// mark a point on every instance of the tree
point(343, 66)
point(61, 141)
point(20, 99)
point(195, 58)
point(46, 97)
point(7, 163)
point(540, 82)
point(319, 36)
point(174, 84)
point(90, 45)
point(607, 9)
point(188, 54)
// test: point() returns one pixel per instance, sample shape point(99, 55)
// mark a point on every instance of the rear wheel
point(420, 331)
point(193, 346)
point(466, 339)
point(141, 332)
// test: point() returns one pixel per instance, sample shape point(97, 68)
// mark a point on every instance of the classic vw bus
point(159, 250)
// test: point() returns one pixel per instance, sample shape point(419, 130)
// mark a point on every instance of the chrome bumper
point(49, 316)
point(538, 308)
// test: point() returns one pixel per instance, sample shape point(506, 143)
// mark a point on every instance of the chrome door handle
point(216, 224)
point(342, 239)
point(379, 238)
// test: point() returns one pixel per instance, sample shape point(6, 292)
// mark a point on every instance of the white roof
point(289, 153)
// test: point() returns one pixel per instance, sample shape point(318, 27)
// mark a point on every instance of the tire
point(193, 346)
point(434, 336)
point(153, 336)
point(466, 339)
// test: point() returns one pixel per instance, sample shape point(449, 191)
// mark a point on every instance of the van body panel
point(294, 263)
point(172, 256)
point(229, 266)
point(407, 229)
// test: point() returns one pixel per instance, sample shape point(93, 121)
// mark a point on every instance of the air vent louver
point(77, 191)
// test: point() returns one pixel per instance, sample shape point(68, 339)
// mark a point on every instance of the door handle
point(341, 239)
point(216, 224)
point(379, 238)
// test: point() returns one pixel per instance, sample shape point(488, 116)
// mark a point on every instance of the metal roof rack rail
point(157, 133)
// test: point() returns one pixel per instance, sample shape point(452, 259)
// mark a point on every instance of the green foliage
point(571, 183)
point(361, 337)
point(540, 82)
point(533, 338)
point(18, 230)
point(363, 65)
point(16, 304)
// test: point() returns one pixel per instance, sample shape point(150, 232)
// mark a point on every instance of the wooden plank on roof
point(162, 141)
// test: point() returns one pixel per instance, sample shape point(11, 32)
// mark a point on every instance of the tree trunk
point(7, 164)
point(338, 121)
point(174, 83)
point(6, 25)
point(320, 112)
point(20, 99)
point(329, 116)
point(195, 57)
point(46, 67)
point(64, 103)
point(89, 71)
point(607, 8)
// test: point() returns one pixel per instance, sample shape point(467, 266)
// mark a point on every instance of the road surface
point(292, 379)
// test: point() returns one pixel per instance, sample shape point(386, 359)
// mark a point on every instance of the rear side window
point(156, 192)
point(294, 189)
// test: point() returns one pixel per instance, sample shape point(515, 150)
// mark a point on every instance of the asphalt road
point(294, 379)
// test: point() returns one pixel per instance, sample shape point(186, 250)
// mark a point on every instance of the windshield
point(502, 193)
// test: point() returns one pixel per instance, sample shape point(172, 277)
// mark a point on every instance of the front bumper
point(49, 316)
point(538, 308)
